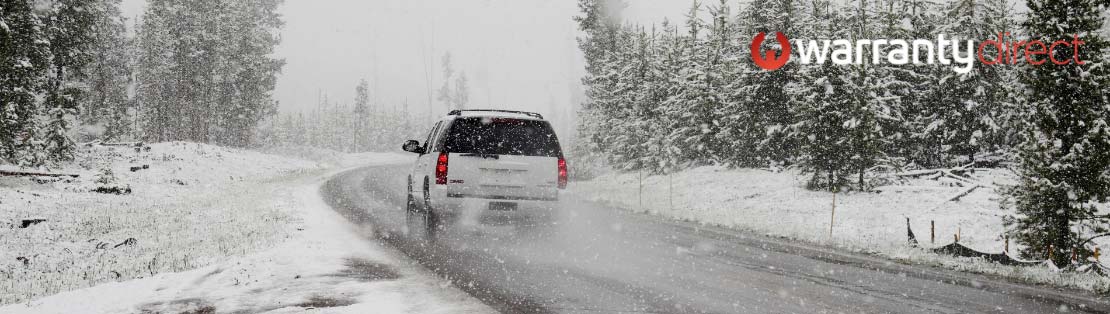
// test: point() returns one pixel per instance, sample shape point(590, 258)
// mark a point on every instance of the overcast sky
point(518, 54)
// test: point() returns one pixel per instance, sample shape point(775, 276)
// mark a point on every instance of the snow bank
point(777, 204)
point(327, 266)
point(191, 205)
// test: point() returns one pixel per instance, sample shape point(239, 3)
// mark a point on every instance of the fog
point(517, 54)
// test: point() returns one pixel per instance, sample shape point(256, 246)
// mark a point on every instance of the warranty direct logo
point(961, 54)
point(769, 61)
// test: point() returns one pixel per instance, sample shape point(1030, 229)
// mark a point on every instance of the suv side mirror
point(413, 146)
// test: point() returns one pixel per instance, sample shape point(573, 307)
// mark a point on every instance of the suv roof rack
point(530, 114)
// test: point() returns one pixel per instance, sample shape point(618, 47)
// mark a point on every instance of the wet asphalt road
point(591, 259)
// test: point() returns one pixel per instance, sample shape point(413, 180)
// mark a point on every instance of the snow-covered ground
point(194, 205)
point(204, 228)
point(778, 204)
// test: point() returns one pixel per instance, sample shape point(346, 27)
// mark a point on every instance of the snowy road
point(593, 259)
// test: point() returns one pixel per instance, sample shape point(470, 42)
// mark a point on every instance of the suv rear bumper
point(446, 202)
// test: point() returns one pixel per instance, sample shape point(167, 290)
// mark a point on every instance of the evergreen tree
point(691, 112)
point(155, 75)
point(763, 115)
point(964, 112)
point(362, 116)
point(207, 71)
point(108, 75)
point(627, 119)
point(670, 52)
point(72, 29)
point(252, 77)
point(838, 129)
point(458, 96)
point(462, 92)
point(600, 25)
point(446, 94)
point(1066, 154)
point(24, 64)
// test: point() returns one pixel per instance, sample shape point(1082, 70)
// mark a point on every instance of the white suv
point(498, 159)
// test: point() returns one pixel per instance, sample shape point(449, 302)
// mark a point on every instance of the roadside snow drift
point(327, 266)
point(778, 204)
point(195, 228)
point(184, 206)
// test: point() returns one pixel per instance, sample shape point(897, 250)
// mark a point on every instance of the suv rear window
point(502, 136)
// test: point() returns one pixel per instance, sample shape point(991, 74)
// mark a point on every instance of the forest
point(668, 97)
point(196, 70)
point(660, 98)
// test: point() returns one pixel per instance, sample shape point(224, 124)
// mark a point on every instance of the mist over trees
point(661, 100)
point(359, 126)
point(455, 92)
point(205, 69)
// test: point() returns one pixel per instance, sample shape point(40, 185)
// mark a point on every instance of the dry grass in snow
point(195, 205)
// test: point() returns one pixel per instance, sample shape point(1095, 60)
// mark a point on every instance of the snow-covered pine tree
point(762, 114)
point(821, 97)
point(457, 96)
point(462, 91)
point(154, 74)
point(108, 75)
point(445, 93)
point(670, 55)
point(600, 25)
point(631, 120)
point(206, 69)
point(963, 111)
point(837, 128)
point(362, 116)
point(724, 68)
point(691, 111)
point(24, 64)
point(72, 31)
point(877, 115)
point(1007, 99)
point(1066, 155)
point(897, 91)
point(249, 43)
point(298, 135)
point(908, 142)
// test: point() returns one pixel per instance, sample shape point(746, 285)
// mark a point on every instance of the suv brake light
point(562, 173)
point(441, 169)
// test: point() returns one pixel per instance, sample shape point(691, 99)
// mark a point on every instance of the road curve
point(593, 259)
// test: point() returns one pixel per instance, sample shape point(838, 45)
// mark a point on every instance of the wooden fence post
point(932, 232)
point(640, 192)
point(670, 190)
point(832, 217)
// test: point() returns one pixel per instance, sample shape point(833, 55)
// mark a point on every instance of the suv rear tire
point(431, 219)
point(410, 205)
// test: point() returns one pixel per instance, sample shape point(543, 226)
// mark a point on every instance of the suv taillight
point(441, 169)
point(562, 173)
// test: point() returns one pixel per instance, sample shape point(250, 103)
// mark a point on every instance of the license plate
point(502, 206)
